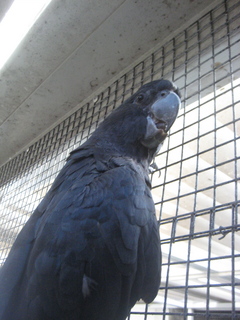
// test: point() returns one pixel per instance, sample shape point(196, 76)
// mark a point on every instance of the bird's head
point(141, 123)
point(160, 101)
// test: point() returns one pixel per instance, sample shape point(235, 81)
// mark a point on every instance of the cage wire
point(196, 189)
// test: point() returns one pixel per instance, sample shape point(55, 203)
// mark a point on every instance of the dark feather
point(91, 249)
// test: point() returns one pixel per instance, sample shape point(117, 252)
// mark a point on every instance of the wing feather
point(90, 220)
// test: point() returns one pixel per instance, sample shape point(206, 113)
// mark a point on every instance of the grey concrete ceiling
point(73, 49)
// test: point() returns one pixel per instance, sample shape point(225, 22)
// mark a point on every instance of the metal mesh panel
point(196, 189)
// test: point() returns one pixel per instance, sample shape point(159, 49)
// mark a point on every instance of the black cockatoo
point(91, 249)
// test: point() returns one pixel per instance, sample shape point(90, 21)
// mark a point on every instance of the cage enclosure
point(195, 189)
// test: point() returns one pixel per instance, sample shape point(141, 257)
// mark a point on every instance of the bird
point(91, 248)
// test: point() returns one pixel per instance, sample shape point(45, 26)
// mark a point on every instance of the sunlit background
point(16, 23)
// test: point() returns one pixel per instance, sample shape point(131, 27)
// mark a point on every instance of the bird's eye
point(139, 98)
point(164, 93)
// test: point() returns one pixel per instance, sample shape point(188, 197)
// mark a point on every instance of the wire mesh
point(196, 189)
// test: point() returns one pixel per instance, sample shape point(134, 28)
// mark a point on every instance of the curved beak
point(165, 109)
point(162, 115)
